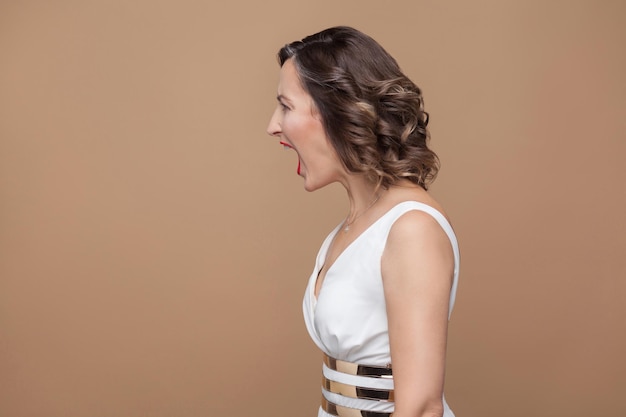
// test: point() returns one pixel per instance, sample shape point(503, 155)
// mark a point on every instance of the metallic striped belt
point(356, 369)
point(339, 411)
point(353, 391)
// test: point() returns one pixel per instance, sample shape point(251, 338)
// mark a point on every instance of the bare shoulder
point(417, 226)
point(417, 244)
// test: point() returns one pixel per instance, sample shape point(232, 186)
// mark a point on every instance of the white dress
point(348, 321)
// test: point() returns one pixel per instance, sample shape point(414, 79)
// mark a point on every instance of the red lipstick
point(288, 146)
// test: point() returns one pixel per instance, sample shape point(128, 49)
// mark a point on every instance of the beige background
point(155, 243)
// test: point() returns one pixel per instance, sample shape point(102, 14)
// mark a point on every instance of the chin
point(314, 186)
point(310, 188)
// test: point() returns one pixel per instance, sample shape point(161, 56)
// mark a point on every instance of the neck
point(362, 194)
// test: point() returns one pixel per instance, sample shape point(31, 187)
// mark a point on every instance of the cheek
point(285, 124)
point(292, 126)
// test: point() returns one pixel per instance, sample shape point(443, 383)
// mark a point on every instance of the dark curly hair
point(373, 113)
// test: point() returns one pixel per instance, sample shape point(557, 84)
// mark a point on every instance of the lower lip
point(298, 171)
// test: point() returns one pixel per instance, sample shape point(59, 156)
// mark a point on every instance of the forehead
point(289, 84)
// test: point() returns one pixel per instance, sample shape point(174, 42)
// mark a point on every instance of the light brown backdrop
point(155, 243)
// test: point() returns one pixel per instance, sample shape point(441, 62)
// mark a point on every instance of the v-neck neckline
point(341, 254)
point(334, 233)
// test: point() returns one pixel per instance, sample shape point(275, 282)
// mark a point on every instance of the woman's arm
point(417, 269)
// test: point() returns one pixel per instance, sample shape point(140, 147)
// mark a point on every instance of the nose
point(273, 128)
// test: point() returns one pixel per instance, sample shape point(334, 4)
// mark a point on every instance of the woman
point(379, 298)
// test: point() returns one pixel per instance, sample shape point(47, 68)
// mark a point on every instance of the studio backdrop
point(155, 242)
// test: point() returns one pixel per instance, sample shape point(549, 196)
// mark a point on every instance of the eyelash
point(284, 106)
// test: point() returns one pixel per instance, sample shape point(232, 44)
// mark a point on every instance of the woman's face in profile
point(298, 125)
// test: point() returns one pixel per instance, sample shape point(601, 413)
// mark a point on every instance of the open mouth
point(287, 146)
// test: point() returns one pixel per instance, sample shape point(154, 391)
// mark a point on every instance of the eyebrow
point(282, 98)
